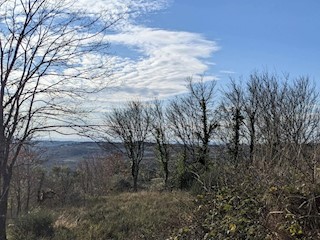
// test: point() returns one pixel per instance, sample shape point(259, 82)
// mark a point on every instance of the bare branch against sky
point(51, 54)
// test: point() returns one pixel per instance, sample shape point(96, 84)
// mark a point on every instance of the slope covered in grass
point(142, 215)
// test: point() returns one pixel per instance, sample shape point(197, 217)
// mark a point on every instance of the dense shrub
point(182, 177)
point(35, 225)
point(63, 233)
point(253, 204)
point(121, 185)
point(228, 213)
point(294, 210)
point(233, 214)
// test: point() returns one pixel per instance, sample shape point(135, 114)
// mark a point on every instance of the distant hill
point(67, 152)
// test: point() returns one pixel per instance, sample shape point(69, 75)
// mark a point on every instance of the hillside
point(69, 153)
point(66, 152)
point(142, 215)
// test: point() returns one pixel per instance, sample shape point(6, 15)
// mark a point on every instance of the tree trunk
point(4, 205)
point(135, 173)
point(26, 209)
point(206, 136)
point(236, 140)
point(252, 138)
point(166, 173)
point(18, 197)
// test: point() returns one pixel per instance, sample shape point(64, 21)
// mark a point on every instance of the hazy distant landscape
point(67, 153)
point(70, 153)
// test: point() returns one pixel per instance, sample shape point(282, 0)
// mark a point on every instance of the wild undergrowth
point(141, 215)
point(248, 204)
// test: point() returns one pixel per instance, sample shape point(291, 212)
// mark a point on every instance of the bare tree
point(232, 119)
point(203, 104)
point(251, 109)
point(193, 121)
point(161, 135)
point(273, 91)
point(43, 47)
point(131, 126)
point(300, 126)
point(301, 118)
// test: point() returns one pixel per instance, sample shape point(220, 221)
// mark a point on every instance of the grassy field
point(142, 215)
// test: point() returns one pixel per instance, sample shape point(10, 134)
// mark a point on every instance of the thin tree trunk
point(28, 196)
point(4, 205)
point(18, 198)
point(166, 173)
point(237, 136)
point(135, 174)
point(252, 138)
point(206, 136)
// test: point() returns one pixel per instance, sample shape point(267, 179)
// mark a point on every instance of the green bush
point(226, 214)
point(242, 204)
point(121, 185)
point(232, 214)
point(63, 233)
point(183, 178)
point(35, 225)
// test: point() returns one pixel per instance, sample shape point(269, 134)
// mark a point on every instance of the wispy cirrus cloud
point(128, 10)
point(154, 62)
point(227, 72)
point(165, 59)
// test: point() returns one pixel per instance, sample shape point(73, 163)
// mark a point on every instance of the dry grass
point(142, 215)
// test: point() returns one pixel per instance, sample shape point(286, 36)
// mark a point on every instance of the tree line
point(268, 122)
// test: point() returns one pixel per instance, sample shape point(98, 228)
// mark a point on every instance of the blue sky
point(281, 35)
point(166, 41)
point(160, 43)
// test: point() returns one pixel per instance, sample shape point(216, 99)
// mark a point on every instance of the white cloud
point(162, 60)
point(127, 9)
point(166, 59)
point(229, 72)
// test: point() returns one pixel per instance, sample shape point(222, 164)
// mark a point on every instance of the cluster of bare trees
point(33, 185)
point(99, 175)
point(269, 122)
point(188, 120)
point(26, 181)
point(272, 121)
